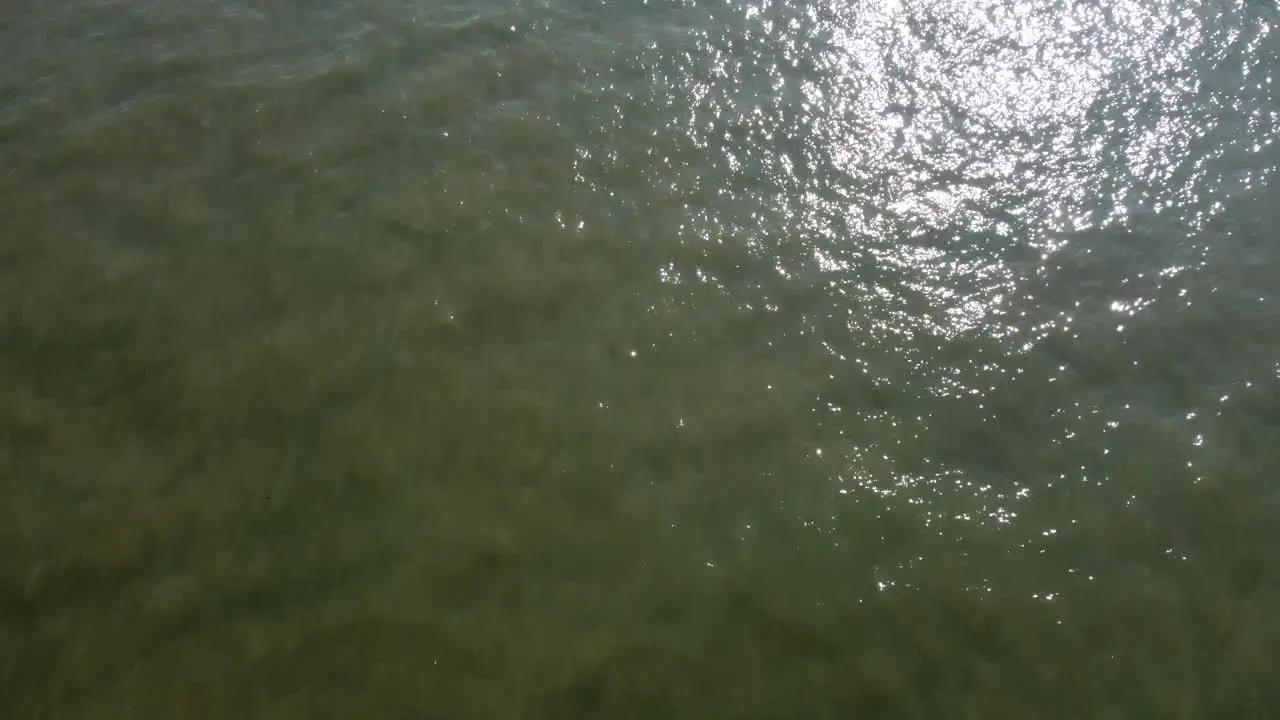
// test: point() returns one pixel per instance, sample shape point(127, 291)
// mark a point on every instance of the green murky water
point(903, 359)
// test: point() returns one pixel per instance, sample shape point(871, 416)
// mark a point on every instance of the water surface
point(639, 360)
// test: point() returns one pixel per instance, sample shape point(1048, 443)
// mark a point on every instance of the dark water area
point(904, 359)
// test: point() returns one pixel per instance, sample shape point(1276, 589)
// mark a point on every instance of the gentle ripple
point(836, 304)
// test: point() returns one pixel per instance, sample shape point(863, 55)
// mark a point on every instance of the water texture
point(647, 359)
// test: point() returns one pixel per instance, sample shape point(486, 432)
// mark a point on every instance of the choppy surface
point(901, 359)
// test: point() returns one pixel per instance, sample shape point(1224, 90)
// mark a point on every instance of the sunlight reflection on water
point(941, 171)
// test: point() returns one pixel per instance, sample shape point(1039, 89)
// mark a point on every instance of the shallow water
point(660, 359)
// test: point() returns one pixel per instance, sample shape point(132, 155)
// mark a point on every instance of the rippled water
point(646, 359)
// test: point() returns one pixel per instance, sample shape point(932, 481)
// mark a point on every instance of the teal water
point(651, 359)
